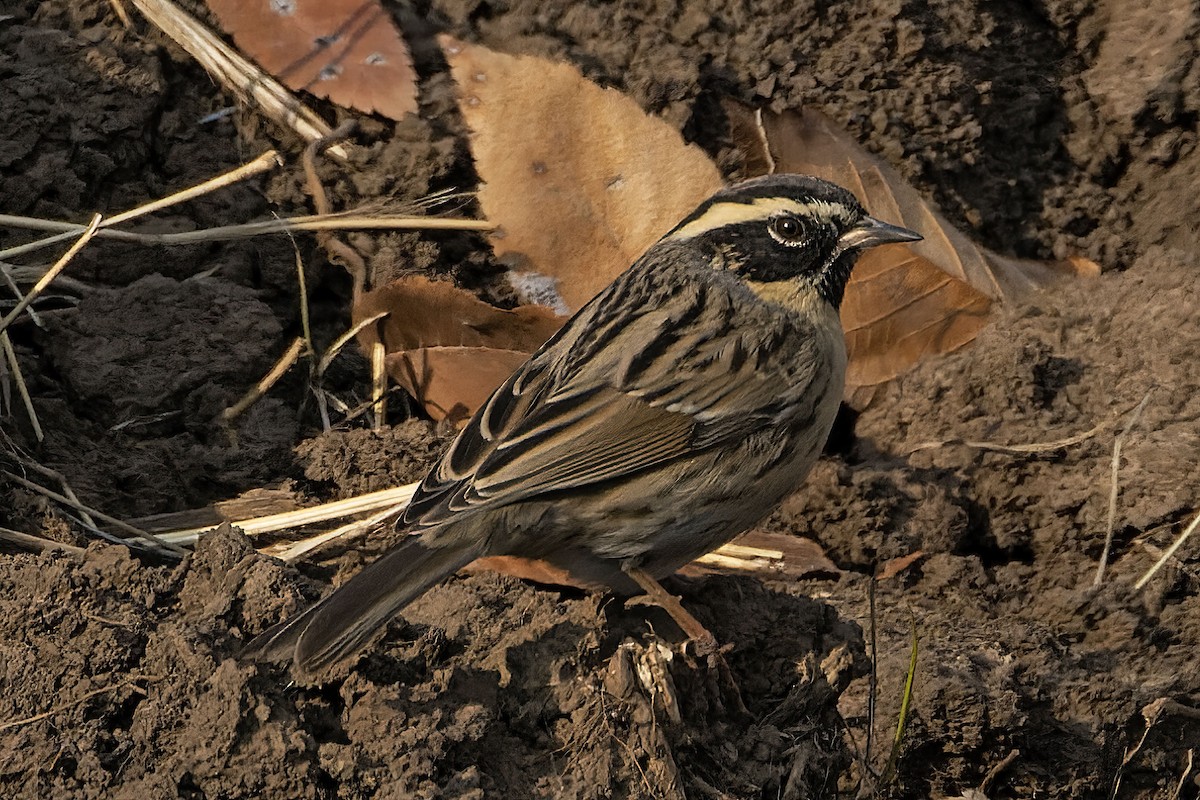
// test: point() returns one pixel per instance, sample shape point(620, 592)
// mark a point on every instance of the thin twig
point(235, 72)
point(10, 355)
point(1024, 449)
point(264, 384)
point(266, 161)
point(36, 542)
point(1187, 770)
point(1152, 712)
point(297, 549)
point(1170, 551)
point(55, 475)
point(379, 382)
point(351, 260)
point(340, 221)
point(16, 290)
point(362, 504)
point(341, 341)
point(119, 9)
point(1115, 487)
point(30, 274)
point(131, 680)
point(59, 266)
point(985, 786)
point(100, 515)
point(302, 286)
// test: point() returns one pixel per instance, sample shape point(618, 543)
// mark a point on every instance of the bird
point(671, 413)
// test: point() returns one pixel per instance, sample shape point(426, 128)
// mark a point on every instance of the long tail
point(343, 623)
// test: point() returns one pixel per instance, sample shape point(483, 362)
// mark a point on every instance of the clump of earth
point(1050, 130)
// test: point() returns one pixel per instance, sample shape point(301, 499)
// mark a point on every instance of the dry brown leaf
point(346, 50)
point(452, 382)
point(895, 566)
point(580, 180)
point(904, 302)
point(446, 347)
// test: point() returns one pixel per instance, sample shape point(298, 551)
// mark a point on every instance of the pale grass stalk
point(342, 340)
point(297, 549)
point(379, 383)
point(125, 527)
point(6, 271)
point(268, 160)
point(62, 481)
point(14, 367)
point(52, 273)
point(226, 233)
point(1168, 553)
point(237, 73)
point(255, 526)
point(285, 362)
point(1115, 486)
point(36, 542)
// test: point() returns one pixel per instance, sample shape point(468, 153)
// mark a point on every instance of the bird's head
point(788, 237)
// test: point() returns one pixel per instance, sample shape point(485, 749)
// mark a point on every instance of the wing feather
point(589, 407)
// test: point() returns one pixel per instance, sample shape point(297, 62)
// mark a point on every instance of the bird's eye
point(786, 230)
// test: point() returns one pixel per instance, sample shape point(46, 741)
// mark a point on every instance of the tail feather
point(342, 624)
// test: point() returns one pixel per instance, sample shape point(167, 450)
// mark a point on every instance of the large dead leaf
point(346, 50)
point(445, 346)
point(904, 302)
point(580, 180)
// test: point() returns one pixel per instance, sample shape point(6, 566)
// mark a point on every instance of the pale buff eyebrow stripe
point(719, 215)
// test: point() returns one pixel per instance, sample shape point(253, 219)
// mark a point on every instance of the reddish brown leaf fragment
point(446, 347)
point(349, 51)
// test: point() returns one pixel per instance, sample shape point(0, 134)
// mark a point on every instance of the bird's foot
point(703, 644)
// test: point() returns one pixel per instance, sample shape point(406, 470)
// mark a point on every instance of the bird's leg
point(706, 643)
point(700, 636)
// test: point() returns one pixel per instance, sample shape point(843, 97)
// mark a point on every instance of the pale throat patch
point(796, 295)
point(718, 215)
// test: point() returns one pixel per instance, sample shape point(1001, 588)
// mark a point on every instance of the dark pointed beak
point(871, 232)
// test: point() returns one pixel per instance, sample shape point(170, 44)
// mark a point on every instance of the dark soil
point(1045, 129)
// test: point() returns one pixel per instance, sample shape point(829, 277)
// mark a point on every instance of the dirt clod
point(1060, 128)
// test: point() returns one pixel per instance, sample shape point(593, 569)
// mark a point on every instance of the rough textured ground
point(1049, 128)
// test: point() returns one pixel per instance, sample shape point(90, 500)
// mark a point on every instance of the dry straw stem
point(295, 550)
point(23, 303)
point(155, 541)
point(85, 236)
point(55, 475)
point(1152, 713)
point(36, 542)
point(1183, 776)
point(1170, 551)
point(1029, 449)
point(131, 681)
point(1115, 486)
point(379, 380)
point(314, 222)
point(10, 355)
point(236, 73)
point(264, 384)
point(8, 270)
point(341, 341)
point(267, 161)
point(383, 504)
point(363, 504)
